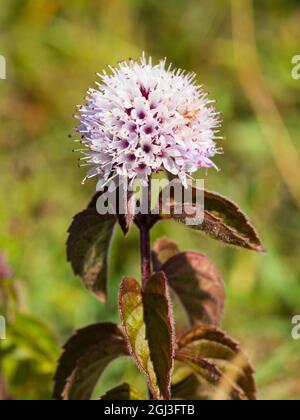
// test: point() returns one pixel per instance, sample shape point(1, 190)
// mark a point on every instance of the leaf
point(123, 392)
point(210, 373)
point(163, 250)
point(159, 326)
point(126, 220)
point(209, 343)
point(93, 203)
point(198, 285)
point(222, 220)
point(146, 318)
point(187, 388)
point(88, 246)
point(85, 357)
point(132, 316)
point(124, 212)
point(232, 216)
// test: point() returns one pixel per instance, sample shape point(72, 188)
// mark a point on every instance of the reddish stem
point(145, 223)
point(145, 254)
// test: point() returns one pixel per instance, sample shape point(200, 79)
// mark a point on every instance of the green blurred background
point(53, 49)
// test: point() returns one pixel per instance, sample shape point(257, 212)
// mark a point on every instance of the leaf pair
point(145, 317)
point(214, 361)
point(147, 322)
point(90, 234)
point(147, 334)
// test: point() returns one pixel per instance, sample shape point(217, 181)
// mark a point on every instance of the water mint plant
point(145, 118)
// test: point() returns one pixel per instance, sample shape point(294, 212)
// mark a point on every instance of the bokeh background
point(242, 52)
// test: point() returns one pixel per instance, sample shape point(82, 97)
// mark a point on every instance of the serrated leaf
point(147, 322)
point(88, 246)
point(158, 318)
point(222, 220)
point(132, 316)
point(209, 343)
point(122, 392)
point(198, 285)
point(232, 216)
point(126, 217)
point(163, 250)
point(85, 357)
point(209, 372)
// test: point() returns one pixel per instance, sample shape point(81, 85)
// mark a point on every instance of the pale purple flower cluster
point(144, 118)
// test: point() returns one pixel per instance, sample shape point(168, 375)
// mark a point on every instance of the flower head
point(144, 118)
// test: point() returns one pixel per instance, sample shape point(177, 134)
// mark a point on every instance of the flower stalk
point(145, 223)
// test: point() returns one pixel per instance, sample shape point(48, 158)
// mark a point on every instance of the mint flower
point(145, 118)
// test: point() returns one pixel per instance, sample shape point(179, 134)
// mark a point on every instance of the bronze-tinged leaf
point(163, 250)
point(198, 285)
point(232, 216)
point(126, 216)
point(132, 316)
point(188, 388)
point(88, 246)
point(93, 203)
point(124, 212)
point(210, 343)
point(125, 221)
point(222, 220)
point(209, 372)
point(85, 357)
point(122, 392)
point(158, 319)
point(147, 322)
